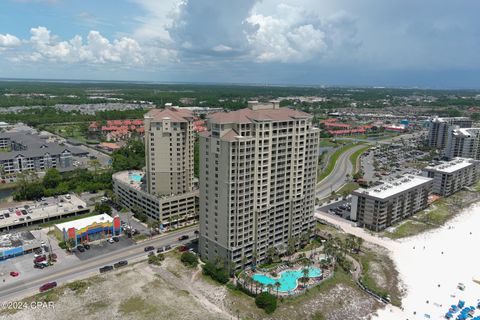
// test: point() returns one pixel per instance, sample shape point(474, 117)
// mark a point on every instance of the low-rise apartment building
point(382, 206)
point(452, 176)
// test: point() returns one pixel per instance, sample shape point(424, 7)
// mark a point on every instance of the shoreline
point(432, 263)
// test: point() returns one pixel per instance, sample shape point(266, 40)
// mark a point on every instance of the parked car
point(183, 248)
point(160, 250)
point(116, 239)
point(7, 215)
point(168, 247)
point(29, 218)
point(80, 207)
point(48, 286)
point(196, 232)
point(105, 269)
point(10, 209)
point(68, 197)
point(120, 264)
point(14, 274)
point(18, 213)
point(1, 216)
point(149, 248)
point(184, 237)
point(86, 246)
point(80, 248)
point(110, 240)
point(40, 259)
point(38, 266)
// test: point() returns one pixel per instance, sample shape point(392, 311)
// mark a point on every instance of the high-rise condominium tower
point(258, 169)
point(169, 141)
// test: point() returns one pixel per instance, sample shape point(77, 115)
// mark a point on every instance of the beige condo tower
point(258, 171)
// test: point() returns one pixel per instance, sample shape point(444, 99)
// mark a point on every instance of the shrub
point(267, 302)
point(216, 273)
point(189, 259)
point(62, 245)
point(155, 260)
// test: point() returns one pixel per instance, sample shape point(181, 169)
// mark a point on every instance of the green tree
point(267, 302)
point(189, 259)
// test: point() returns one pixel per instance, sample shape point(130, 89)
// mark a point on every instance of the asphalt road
point(86, 268)
point(338, 177)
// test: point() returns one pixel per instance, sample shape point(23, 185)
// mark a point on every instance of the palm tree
point(262, 286)
point(305, 275)
point(277, 286)
point(269, 287)
point(270, 253)
point(244, 262)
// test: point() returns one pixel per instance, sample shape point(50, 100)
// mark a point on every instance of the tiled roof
point(248, 115)
point(175, 114)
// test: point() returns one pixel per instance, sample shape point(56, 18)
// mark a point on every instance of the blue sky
point(428, 43)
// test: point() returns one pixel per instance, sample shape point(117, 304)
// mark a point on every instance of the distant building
point(257, 182)
point(382, 206)
point(452, 176)
point(25, 151)
point(464, 143)
point(439, 129)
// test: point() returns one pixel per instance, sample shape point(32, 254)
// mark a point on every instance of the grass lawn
point(74, 131)
point(354, 158)
point(324, 143)
point(333, 160)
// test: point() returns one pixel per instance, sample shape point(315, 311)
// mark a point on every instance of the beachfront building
point(23, 151)
point(89, 229)
point(452, 176)
point(379, 207)
point(464, 143)
point(439, 130)
point(166, 190)
point(258, 171)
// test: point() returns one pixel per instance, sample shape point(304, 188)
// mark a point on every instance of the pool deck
point(125, 176)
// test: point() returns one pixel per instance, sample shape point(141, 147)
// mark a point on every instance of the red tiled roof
point(175, 114)
point(249, 115)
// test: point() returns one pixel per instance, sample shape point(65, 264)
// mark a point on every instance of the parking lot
point(103, 247)
point(339, 208)
point(19, 214)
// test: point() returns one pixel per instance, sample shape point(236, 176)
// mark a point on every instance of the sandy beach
point(432, 264)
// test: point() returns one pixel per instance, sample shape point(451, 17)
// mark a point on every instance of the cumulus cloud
point(8, 40)
point(292, 34)
point(95, 50)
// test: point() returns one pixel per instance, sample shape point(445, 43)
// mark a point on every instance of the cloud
point(7, 41)
point(294, 35)
point(95, 50)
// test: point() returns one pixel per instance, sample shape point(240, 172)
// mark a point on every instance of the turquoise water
point(288, 279)
point(135, 177)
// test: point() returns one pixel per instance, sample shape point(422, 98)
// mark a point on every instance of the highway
point(337, 178)
point(84, 269)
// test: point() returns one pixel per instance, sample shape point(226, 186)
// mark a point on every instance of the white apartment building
point(451, 176)
point(463, 143)
point(382, 206)
point(257, 182)
point(439, 129)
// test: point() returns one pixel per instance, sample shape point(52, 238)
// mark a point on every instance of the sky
point(403, 43)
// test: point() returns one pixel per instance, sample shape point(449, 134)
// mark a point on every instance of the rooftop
point(174, 114)
point(391, 188)
point(452, 166)
point(85, 222)
point(249, 115)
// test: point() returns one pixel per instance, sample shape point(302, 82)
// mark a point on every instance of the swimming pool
point(288, 279)
point(136, 177)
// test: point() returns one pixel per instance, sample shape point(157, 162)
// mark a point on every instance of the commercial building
point(464, 143)
point(17, 243)
point(166, 191)
point(258, 171)
point(26, 151)
point(451, 176)
point(382, 206)
point(89, 229)
point(439, 129)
